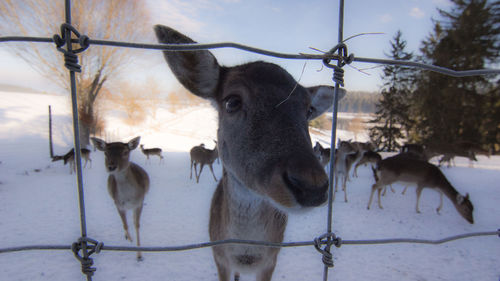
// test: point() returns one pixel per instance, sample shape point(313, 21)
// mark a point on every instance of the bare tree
point(124, 20)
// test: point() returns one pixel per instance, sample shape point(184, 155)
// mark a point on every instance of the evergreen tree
point(451, 109)
point(392, 115)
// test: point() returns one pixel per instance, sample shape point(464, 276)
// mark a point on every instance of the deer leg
point(266, 273)
point(379, 191)
point(374, 187)
point(336, 181)
point(440, 161)
point(419, 192)
point(199, 173)
point(123, 216)
point(137, 218)
point(404, 190)
point(345, 188)
point(224, 272)
point(72, 167)
point(212, 170)
point(385, 189)
point(191, 174)
point(440, 202)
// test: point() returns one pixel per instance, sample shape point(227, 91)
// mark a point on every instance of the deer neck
point(250, 216)
point(122, 174)
point(449, 191)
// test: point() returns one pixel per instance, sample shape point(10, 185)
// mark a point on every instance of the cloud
point(385, 18)
point(417, 13)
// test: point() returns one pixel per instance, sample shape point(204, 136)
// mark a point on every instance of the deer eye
point(310, 112)
point(232, 104)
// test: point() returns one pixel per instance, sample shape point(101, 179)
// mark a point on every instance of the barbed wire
point(195, 246)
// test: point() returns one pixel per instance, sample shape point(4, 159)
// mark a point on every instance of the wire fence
point(86, 246)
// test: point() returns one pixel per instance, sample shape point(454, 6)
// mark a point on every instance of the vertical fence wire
point(331, 191)
point(76, 136)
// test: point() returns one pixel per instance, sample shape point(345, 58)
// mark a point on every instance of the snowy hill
point(39, 205)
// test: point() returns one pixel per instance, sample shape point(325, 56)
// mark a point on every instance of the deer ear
point(322, 99)
point(198, 71)
point(133, 143)
point(99, 144)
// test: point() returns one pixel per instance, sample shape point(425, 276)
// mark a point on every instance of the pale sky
point(284, 26)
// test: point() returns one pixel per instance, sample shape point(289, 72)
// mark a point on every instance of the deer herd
point(269, 166)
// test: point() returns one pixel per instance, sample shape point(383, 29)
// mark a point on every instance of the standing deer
point(151, 151)
point(369, 157)
point(69, 157)
point(200, 155)
point(449, 151)
point(361, 147)
point(265, 149)
point(341, 169)
point(128, 183)
point(424, 175)
point(323, 154)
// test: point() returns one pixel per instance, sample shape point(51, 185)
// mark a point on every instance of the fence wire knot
point(92, 246)
point(327, 239)
point(342, 60)
point(70, 57)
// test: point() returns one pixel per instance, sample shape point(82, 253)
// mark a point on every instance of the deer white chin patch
point(295, 209)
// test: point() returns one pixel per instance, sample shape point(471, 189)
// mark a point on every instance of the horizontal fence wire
point(302, 56)
point(259, 243)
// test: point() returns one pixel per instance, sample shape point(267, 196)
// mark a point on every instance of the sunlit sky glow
point(283, 26)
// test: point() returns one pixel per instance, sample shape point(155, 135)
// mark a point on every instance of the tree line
point(359, 102)
point(425, 107)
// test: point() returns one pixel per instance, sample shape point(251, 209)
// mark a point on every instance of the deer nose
point(111, 168)
point(307, 193)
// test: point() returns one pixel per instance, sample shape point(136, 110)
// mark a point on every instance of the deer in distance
point(69, 157)
point(341, 169)
point(323, 154)
point(269, 166)
point(424, 175)
point(202, 156)
point(361, 147)
point(128, 183)
point(448, 151)
point(369, 157)
point(151, 152)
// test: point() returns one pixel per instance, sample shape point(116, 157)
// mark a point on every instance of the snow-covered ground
point(39, 205)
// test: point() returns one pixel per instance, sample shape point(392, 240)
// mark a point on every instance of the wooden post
point(50, 134)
